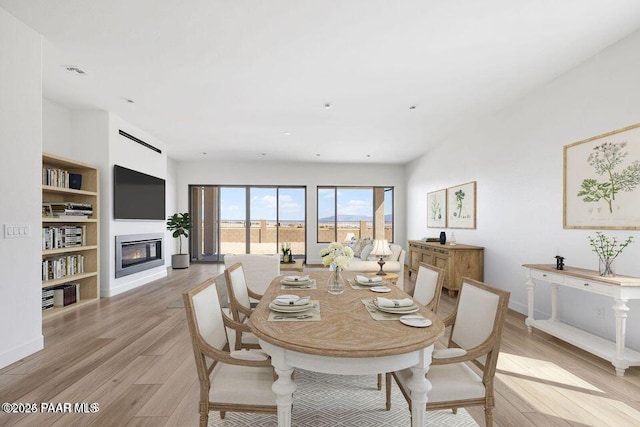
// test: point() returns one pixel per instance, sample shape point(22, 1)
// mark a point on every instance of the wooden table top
point(346, 328)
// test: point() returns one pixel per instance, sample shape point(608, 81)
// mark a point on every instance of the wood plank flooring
point(132, 355)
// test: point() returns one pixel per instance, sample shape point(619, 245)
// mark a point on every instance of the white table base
point(284, 361)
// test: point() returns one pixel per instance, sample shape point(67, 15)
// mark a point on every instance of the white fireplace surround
point(138, 252)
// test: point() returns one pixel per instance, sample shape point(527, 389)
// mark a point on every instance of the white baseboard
point(21, 351)
point(116, 290)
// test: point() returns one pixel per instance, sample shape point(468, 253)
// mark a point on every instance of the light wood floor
point(132, 355)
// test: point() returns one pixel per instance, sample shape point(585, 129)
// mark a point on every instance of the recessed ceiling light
point(264, 154)
point(287, 133)
point(368, 155)
point(74, 69)
point(327, 105)
point(204, 153)
point(413, 107)
point(318, 155)
point(129, 101)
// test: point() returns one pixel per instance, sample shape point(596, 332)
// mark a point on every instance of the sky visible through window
point(263, 202)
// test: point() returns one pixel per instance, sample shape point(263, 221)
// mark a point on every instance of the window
point(347, 212)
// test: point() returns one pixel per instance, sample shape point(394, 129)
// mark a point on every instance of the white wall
point(20, 171)
point(310, 174)
point(516, 158)
point(56, 129)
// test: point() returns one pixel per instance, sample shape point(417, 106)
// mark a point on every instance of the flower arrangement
point(607, 250)
point(285, 248)
point(336, 256)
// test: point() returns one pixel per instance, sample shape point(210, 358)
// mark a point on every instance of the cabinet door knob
point(586, 284)
point(544, 275)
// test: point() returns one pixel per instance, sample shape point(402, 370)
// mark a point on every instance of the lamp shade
point(381, 248)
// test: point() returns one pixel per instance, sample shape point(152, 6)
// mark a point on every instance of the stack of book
point(57, 268)
point(64, 236)
point(67, 209)
point(47, 299)
point(55, 177)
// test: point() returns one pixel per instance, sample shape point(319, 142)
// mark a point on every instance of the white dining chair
point(229, 381)
point(475, 337)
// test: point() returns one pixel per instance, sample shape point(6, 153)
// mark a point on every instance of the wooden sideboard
point(620, 288)
point(457, 261)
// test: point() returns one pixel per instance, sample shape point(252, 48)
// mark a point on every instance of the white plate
point(380, 289)
point(415, 321)
point(397, 310)
point(290, 308)
point(296, 283)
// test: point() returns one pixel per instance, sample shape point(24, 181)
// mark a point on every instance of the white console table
point(620, 288)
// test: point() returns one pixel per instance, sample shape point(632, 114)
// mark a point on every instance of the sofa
point(364, 262)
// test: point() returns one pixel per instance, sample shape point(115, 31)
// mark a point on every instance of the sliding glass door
point(246, 219)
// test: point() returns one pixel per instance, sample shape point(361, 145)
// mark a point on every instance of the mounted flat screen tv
point(137, 195)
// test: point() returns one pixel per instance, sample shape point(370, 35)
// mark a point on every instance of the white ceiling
point(231, 77)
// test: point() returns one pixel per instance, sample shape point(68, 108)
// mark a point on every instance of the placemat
point(310, 315)
point(379, 315)
point(312, 285)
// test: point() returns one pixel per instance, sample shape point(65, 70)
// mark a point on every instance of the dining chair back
point(428, 286)
point(240, 304)
point(229, 381)
point(475, 337)
point(237, 291)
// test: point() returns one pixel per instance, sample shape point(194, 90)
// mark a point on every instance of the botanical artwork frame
point(461, 202)
point(601, 181)
point(437, 209)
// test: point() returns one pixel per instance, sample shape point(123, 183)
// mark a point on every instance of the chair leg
point(454, 410)
point(222, 414)
point(387, 384)
point(379, 381)
point(204, 420)
point(488, 416)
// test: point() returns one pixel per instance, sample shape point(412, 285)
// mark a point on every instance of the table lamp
point(381, 249)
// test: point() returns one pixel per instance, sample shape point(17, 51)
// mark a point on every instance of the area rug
point(323, 400)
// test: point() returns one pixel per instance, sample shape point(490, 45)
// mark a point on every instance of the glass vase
point(335, 285)
point(606, 267)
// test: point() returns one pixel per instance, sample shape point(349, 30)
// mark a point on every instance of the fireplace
point(138, 252)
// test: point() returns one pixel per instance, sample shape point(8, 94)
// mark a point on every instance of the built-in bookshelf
point(70, 235)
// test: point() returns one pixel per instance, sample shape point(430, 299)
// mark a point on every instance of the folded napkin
point(291, 300)
point(296, 278)
point(364, 279)
point(391, 303)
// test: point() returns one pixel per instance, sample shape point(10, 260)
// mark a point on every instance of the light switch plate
point(17, 231)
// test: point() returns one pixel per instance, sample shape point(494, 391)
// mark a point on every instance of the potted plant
point(179, 224)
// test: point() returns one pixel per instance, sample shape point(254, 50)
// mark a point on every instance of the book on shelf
point(63, 236)
point(47, 299)
point(67, 209)
point(66, 294)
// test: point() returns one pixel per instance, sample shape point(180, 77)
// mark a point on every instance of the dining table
point(342, 337)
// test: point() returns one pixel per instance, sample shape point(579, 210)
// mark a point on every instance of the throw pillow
point(359, 245)
point(366, 251)
point(395, 252)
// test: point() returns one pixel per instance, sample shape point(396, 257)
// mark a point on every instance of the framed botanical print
point(602, 181)
point(437, 209)
point(461, 203)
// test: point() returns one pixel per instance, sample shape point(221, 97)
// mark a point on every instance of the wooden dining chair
point(427, 290)
point(429, 281)
point(237, 381)
point(240, 304)
point(475, 337)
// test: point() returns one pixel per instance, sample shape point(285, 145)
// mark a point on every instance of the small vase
point(443, 237)
point(606, 267)
point(335, 284)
